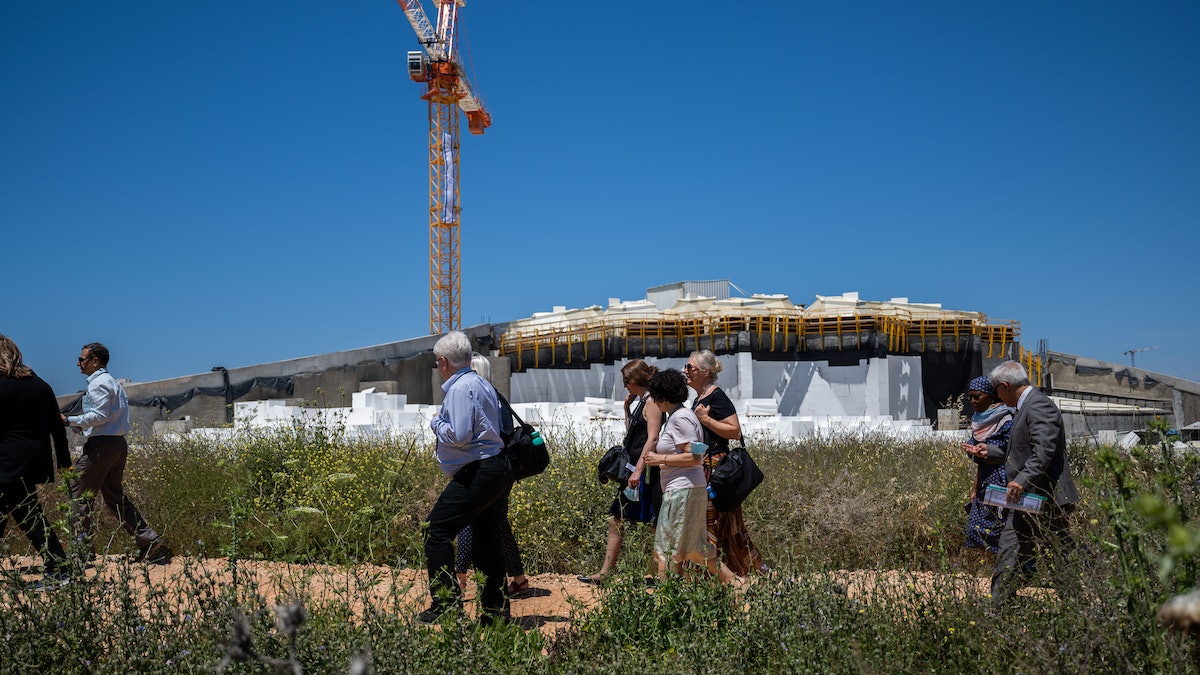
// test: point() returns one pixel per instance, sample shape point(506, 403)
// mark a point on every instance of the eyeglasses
point(689, 367)
point(83, 359)
point(624, 380)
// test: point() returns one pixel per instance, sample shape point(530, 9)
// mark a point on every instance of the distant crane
point(447, 90)
point(1132, 352)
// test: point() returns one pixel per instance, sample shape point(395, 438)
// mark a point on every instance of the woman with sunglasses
point(643, 420)
point(726, 529)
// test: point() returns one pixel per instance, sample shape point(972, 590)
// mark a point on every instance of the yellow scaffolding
point(774, 333)
point(1032, 362)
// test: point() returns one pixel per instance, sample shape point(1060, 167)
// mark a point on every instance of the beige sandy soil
point(551, 603)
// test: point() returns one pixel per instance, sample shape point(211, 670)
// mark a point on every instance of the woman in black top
point(29, 419)
point(726, 529)
point(642, 424)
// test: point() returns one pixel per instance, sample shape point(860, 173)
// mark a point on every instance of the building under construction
point(946, 347)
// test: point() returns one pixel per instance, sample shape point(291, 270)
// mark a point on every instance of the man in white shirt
point(101, 470)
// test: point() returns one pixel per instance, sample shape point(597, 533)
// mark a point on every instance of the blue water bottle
point(712, 494)
point(537, 437)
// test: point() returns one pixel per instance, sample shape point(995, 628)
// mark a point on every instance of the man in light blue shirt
point(471, 453)
point(101, 469)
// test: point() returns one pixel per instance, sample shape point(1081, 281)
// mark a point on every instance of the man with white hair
point(1037, 464)
point(471, 453)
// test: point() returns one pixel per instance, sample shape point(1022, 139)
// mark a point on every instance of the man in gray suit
point(1037, 464)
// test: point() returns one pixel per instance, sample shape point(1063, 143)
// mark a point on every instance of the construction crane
point(1132, 352)
point(447, 89)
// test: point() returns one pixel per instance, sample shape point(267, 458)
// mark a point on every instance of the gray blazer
point(1037, 451)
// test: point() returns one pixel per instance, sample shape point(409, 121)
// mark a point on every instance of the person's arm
point(653, 418)
point(1043, 434)
point(102, 403)
point(682, 458)
point(728, 428)
point(455, 424)
point(58, 434)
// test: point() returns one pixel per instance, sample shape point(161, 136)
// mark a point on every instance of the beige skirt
point(682, 533)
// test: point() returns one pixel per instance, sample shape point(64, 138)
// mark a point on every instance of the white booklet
point(998, 496)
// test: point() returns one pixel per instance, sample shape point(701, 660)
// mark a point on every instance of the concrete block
point(761, 407)
point(381, 386)
point(178, 427)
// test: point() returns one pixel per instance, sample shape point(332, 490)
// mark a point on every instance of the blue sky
point(230, 183)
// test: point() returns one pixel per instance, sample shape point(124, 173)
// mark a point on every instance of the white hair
point(481, 365)
point(1010, 373)
point(455, 347)
point(706, 360)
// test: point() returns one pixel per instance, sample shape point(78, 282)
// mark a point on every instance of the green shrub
point(308, 494)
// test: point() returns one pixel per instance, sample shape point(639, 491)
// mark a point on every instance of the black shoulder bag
point(617, 463)
point(734, 478)
point(525, 447)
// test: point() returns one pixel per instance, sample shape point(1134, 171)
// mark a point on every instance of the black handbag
point(525, 447)
point(614, 466)
point(733, 479)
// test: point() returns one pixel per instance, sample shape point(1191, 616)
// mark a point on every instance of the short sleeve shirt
point(681, 428)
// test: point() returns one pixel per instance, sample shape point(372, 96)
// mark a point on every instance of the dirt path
point(552, 602)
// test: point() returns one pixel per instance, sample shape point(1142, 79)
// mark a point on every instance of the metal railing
point(773, 333)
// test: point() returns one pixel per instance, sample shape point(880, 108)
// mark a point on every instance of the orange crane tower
point(447, 89)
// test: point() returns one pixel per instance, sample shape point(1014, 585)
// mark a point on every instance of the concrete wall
point(325, 379)
point(1078, 424)
point(1091, 379)
point(875, 387)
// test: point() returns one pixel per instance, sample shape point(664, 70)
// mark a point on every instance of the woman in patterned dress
point(988, 448)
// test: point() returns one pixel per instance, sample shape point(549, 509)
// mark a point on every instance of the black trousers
point(20, 501)
point(477, 495)
point(101, 472)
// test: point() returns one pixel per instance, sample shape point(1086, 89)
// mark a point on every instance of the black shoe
point(157, 553)
point(494, 617)
point(434, 614)
point(589, 580)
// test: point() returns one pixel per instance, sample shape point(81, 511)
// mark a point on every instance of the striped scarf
point(987, 423)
